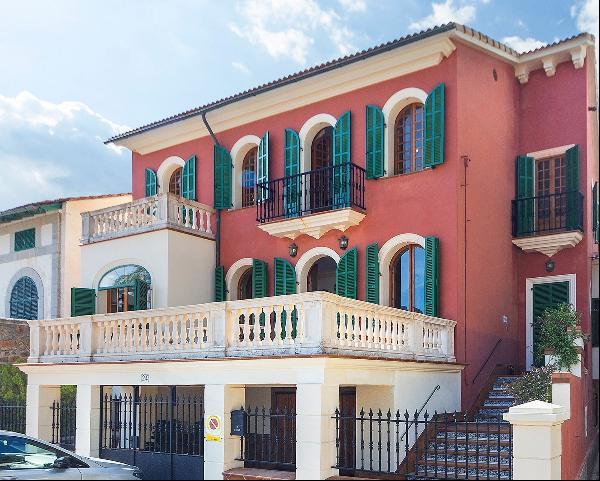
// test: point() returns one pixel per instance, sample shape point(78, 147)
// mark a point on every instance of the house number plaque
point(144, 378)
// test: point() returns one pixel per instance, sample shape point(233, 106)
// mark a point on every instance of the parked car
point(23, 457)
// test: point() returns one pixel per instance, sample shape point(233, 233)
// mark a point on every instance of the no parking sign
point(213, 428)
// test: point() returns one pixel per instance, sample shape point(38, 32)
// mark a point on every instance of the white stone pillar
point(87, 436)
point(537, 441)
point(220, 456)
point(315, 430)
point(39, 410)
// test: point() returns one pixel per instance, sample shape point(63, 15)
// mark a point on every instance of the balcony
point(548, 223)
point(313, 202)
point(315, 323)
point(161, 211)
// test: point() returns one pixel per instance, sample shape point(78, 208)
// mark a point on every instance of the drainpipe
point(218, 214)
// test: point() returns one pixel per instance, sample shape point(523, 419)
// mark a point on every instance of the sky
point(73, 73)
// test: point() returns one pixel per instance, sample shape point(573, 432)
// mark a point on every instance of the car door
point(22, 458)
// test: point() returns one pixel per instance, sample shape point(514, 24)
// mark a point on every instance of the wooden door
point(283, 426)
point(347, 431)
point(550, 188)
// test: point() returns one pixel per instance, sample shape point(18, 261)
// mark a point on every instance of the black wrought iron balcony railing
point(547, 214)
point(328, 188)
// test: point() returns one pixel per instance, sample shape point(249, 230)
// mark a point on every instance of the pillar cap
point(536, 413)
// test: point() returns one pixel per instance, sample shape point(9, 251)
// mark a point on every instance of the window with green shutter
point(24, 239)
point(188, 179)
point(375, 126)
point(140, 293)
point(372, 273)
point(291, 188)
point(83, 301)
point(524, 192)
point(259, 279)
point(434, 127)
point(573, 205)
point(341, 162)
point(432, 273)
point(263, 166)
point(151, 183)
point(222, 177)
point(346, 274)
point(24, 299)
point(220, 290)
point(595, 212)
point(284, 277)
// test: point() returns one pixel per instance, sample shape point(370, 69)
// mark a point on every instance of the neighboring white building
point(40, 257)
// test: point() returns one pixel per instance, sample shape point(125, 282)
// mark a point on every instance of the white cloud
point(354, 5)
point(50, 150)
point(443, 13)
point(585, 14)
point(287, 28)
point(522, 44)
point(241, 67)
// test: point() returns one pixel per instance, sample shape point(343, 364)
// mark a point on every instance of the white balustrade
point(311, 323)
point(150, 213)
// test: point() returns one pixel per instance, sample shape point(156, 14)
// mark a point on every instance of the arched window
point(249, 177)
point(321, 276)
point(407, 272)
point(175, 182)
point(408, 140)
point(128, 288)
point(245, 285)
point(322, 148)
point(24, 299)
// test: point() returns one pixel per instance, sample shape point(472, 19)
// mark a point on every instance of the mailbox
point(239, 422)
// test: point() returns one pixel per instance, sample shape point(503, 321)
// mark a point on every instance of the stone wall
point(14, 340)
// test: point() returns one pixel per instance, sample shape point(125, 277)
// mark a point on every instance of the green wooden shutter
point(263, 167)
point(140, 295)
point(525, 201)
point(374, 142)
point(595, 213)
point(25, 239)
point(372, 280)
point(341, 162)
point(284, 277)
point(292, 188)
point(259, 279)
point(83, 301)
point(544, 296)
point(434, 127)
point(432, 274)
point(346, 274)
point(220, 290)
point(188, 179)
point(151, 183)
point(222, 177)
point(573, 198)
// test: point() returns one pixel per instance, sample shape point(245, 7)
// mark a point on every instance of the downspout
point(218, 214)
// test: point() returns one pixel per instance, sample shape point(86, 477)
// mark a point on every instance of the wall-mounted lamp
point(293, 249)
point(343, 241)
point(550, 265)
point(505, 321)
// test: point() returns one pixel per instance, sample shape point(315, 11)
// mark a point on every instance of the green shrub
point(13, 384)
point(536, 385)
point(68, 394)
point(557, 331)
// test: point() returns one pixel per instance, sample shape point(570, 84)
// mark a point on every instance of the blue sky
point(74, 72)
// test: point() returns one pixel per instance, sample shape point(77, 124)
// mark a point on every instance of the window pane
point(124, 276)
point(419, 279)
point(18, 453)
point(404, 280)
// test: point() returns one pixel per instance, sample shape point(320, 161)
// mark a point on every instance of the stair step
point(492, 427)
point(506, 379)
point(493, 403)
point(461, 473)
point(501, 395)
point(461, 461)
point(473, 438)
point(450, 448)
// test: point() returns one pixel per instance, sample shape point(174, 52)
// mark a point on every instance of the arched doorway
point(321, 158)
point(321, 275)
point(407, 273)
point(244, 290)
point(175, 182)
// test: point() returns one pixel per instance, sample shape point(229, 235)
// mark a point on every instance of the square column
point(315, 430)
point(537, 439)
point(220, 456)
point(87, 436)
point(39, 410)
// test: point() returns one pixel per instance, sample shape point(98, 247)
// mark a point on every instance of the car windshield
point(20, 453)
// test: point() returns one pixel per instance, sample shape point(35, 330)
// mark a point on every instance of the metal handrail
point(487, 360)
point(437, 388)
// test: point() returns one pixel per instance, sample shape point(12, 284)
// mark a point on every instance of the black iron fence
point(438, 446)
point(327, 188)
point(12, 417)
point(547, 214)
point(269, 440)
point(64, 423)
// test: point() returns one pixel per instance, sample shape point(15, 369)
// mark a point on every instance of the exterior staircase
point(463, 446)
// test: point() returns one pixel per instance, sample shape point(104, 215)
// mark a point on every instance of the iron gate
point(163, 435)
point(64, 424)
